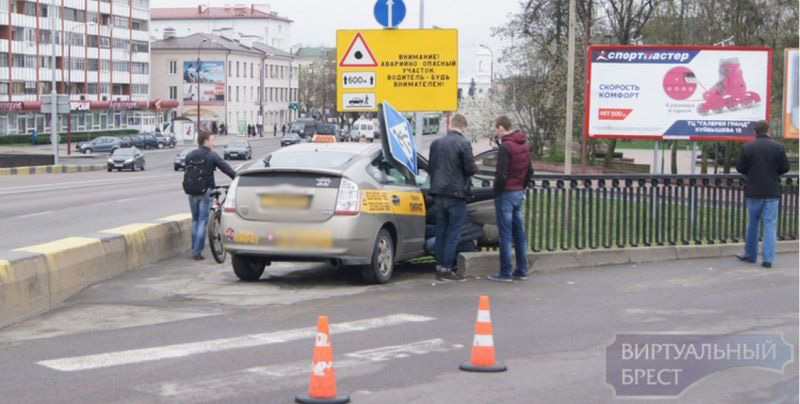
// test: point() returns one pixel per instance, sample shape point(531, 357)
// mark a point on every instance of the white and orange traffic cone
point(322, 387)
point(483, 357)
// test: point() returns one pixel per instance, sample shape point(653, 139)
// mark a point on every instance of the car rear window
point(326, 130)
point(310, 159)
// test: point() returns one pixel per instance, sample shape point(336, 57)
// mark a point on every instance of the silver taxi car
point(343, 203)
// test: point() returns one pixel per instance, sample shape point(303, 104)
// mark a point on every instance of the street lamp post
point(69, 83)
point(197, 72)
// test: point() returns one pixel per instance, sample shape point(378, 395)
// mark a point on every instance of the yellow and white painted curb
point(52, 169)
point(37, 278)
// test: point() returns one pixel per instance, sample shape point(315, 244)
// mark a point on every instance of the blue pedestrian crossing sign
point(399, 137)
point(389, 13)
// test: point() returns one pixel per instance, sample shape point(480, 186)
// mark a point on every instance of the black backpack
point(195, 176)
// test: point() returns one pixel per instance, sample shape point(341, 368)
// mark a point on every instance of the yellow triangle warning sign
point(358, 54)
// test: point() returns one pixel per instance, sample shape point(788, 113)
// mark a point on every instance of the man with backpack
point(198, 184)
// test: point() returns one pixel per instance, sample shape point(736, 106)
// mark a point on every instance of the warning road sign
point(415, 70)
point(358, 55)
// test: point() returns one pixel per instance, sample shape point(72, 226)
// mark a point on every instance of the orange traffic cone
point(483, 357)
point(322, 388)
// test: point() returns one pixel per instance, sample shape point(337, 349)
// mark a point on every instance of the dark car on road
point(290, 139)
point(166, 140)
point(128, 158)
point(180, 159)
point(149, 140)
point(135, 140)
point(102, 144)
point(238, 149)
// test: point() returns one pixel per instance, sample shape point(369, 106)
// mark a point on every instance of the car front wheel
point(381, 263)
point(87, 151)
point(161, 145)
point(247, 268)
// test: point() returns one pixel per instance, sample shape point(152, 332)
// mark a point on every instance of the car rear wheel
point(248, 268)
point(382, 262)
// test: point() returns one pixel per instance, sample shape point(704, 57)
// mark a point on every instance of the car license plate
point(285, 201)
point(304, 238)
point(234, 154)
point(117, 165)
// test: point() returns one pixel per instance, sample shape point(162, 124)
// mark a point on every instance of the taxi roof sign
point(414, 69)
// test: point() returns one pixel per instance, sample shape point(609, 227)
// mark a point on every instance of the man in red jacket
point(514, 172)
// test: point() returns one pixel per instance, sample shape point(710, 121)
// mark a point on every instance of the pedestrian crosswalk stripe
point(262, 379)
point(127, 357)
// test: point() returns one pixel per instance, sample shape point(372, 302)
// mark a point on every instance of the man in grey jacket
point(450, 165)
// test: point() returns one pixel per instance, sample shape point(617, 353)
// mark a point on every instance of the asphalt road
point(47, 207)
point(41, 208)
point(182, 331)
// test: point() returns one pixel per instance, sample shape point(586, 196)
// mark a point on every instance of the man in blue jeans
point(762, 161)
point(450, 165)
point(513, 174)
point(198, 183)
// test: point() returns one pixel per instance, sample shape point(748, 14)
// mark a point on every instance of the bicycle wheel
point(215, 237)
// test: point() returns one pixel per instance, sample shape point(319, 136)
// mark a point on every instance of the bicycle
point(215, 232)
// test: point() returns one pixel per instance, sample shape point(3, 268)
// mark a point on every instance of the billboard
point(791, 94)
point(676, 92)
point(414, 69)
point(212, 83)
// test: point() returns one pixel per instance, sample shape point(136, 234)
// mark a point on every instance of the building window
point(105, 65)
point(251, 70)
point(173, 92)
point(140, 46)
point(237, 69)
point(120, 66)
point(230, 97)
point(237, 93)
point(92, 89)
point(139, 25)
point(230, 69)
point(139, 88)
point(120, 22)
point(140, 68)
point(173, 67)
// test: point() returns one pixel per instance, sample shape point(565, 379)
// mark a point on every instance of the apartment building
point(238, 82)
point(255, 20)
point(102, 59)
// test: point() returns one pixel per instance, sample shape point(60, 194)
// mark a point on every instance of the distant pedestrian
point(275, 130)
point(283, 130)
point(214, 128)
point(762, 161)
point(34, 136)
point(450, 165)
point(223, 129)
point(251, 131)
point(198, 184)
point(512, 175)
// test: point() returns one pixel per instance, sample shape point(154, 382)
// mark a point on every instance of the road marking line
point(69, 185)
point(231, 384)
point(132, 356)
point(46, 212)
point(125, 200)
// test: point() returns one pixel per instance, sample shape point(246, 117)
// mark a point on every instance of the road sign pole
point(418, 115)
point(53, 94)
point(570, 90)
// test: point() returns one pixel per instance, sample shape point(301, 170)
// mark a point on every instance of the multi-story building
point(256, 20)
point(102, 60)
point(238, 82)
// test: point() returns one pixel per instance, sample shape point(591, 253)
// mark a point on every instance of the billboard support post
point(694, 158)
point(418, 115)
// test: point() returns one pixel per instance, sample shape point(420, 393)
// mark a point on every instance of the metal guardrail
point(565, 212)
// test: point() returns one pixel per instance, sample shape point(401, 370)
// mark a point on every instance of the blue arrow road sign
point(400, 137)
point(390, 13)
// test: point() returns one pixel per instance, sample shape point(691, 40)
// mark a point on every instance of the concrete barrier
point(53, 169)
point(35, 279)
point(487, 263)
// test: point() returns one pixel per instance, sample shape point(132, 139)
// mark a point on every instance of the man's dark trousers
point(451, 216)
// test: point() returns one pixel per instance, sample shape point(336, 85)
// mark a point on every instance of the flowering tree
point(481, 113)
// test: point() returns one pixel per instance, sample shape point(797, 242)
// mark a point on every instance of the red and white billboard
point(676, 92)
point(791, 94)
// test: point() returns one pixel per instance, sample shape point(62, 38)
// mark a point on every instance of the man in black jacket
point(200, 204)
point(762, 161)
point(450, 165)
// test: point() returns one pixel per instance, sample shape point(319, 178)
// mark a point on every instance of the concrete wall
point(35, 279)
point(18, 160)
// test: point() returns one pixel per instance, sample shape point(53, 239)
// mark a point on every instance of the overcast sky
point(316, 21)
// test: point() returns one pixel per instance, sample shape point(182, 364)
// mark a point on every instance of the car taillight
point(348, 202)
point(230, 197)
